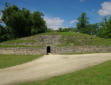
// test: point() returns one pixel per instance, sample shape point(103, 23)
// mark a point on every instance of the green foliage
point(50, 30)
point(38, 24)
point(66, 30)
point(83, 25)
point(3, 34)
point(83, 21)
point(108, 29)
point(20, 22)
point(105, 28)
point(91, 29)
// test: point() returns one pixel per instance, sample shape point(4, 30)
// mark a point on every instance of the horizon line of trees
point(101, 29)
point(18, 23)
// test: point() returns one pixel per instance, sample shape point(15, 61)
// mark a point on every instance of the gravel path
point(49, 66)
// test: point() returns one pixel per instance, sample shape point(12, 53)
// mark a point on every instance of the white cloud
point(106, 9)
point(54, 23)
point(73, 21)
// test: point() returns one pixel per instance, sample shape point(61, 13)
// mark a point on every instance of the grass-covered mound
point(65, 39)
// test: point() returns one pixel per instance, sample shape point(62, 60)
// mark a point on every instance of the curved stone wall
point(54, 50)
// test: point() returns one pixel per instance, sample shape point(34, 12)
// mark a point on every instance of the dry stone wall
point(54, 50)
point(51, 40)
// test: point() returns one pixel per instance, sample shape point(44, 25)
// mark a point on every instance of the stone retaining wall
point(54, 50)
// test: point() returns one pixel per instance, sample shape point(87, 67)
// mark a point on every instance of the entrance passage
point(48, 49)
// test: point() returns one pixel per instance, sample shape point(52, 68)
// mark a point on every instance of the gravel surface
point(49, 66)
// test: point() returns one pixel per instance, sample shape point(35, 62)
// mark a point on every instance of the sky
point(64, 13)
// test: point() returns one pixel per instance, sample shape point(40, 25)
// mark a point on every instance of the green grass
point(12, 60)
point(97, 75)
point(79, 39)
point(22, 40)
point(67, 39)
point(18, 46)
point(9, 46)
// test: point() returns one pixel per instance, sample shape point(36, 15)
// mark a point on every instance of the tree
point(3, 34)
point(11, 17)
point(108, 29)
point(60, 30)
point(91, 29)
point(66, 30)
point(50, 30)
point(20, 22)
point(82, 22)
point(105, 28)
point(38, 23)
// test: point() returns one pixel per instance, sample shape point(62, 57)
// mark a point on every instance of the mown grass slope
point(66, 39)
point(97, 75)
point(12, 60)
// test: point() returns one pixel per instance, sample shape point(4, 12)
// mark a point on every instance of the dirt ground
point(49, 66)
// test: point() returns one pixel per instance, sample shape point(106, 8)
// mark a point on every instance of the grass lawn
point(97, 75)
point(12, 60)
point(18, 46)
point(67, 39)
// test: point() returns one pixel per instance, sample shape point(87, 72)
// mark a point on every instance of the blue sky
point(65, 12)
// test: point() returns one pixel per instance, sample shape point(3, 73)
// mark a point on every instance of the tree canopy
point(105, 28)
point(21, 22)
point(83, 21)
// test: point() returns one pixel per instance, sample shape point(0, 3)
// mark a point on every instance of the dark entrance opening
point(48, 49)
